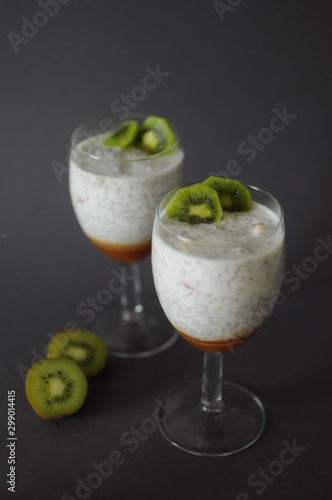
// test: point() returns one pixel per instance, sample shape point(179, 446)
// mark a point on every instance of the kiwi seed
point(155, 135)
point(195, 204)
point(233, 195)
point(82, 346)
point(123, 136)
point(55, 388)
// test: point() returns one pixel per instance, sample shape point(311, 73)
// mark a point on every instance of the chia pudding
point(218, 282)
point(114, 193)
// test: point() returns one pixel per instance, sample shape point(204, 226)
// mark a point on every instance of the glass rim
point(131, 116)
point(250, 186)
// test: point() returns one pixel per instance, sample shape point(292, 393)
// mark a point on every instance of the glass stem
point(131, 296)
point(211, 395)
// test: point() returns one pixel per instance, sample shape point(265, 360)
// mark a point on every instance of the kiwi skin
point(156, 135)
point(37, 384)
point(123, 136)
point(195, 204)
point(83, 347)
point(233, 195)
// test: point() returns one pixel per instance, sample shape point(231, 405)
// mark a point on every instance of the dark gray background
point(225, 78)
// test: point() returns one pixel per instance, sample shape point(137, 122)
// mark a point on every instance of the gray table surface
point(225, 70)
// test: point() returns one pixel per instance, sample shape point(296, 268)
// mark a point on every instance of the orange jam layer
point(124, 253)
point(218, 345)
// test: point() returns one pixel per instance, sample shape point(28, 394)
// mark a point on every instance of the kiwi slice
point(233, 195)
point(156, 135)
point(195, 204)
point(55, 388)
point(123, 136)
point(82, 346)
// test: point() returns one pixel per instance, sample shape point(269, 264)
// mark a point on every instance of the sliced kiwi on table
point(82, 346)
point(155, 135)
point(195, 204)
point(233, 195)
point(123, 136)
point(56, 387)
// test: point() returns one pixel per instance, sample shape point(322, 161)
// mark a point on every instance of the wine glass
point(114, 193)
point(217, 283)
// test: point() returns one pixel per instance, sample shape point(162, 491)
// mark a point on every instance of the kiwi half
point(82, 346)
point(123, 136)
point(195, 204)
point(155, 134)
point(56, 387)
point(233, 195)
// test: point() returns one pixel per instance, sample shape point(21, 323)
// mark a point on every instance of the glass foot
point(184, 422)
point(135, 335)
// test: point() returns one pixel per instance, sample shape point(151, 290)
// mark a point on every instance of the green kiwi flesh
point(55, 388)
point(195, 204)
point(156, 135)
point(233, 195)
point(123, 136)
point(82, 346)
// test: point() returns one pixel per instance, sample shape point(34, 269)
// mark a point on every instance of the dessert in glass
point(218, 262)
point(117, 174)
